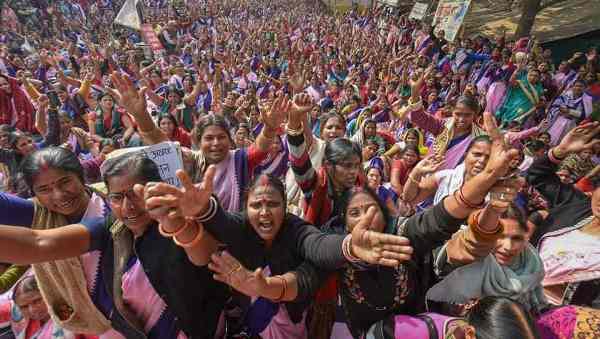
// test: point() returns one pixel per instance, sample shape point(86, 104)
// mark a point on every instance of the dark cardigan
point(298, 247)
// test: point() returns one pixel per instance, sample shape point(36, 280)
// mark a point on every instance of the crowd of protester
point(344, 176)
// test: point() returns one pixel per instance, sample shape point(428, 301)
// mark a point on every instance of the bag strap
point(433, 332)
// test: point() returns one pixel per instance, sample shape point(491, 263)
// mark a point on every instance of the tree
point(529, 10)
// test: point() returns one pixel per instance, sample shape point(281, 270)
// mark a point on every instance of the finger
point(168, 201)
point(138, 189)
point(221, 278)
point(401, 257)
point(388, 239)
point(207, 180)
point(186, 181)
point(491, 127)
point(388, 262)
point(398, 249)
point(366, 220)
point(158, 189)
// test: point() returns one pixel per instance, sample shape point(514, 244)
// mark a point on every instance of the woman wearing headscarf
point(15, 107)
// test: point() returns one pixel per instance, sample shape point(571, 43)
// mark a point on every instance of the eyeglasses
point(118, 197)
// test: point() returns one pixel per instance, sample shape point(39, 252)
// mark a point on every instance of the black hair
point(517, 213)
point(480, 138)
point(339, 149)
point(6, 128)
point(142, 168)
point(499, 317)
point(535, 145)
point(211, 120)
point(50, 157)
point(411, 147)
point(268, 180)
point(470, 102)
point(15, 136)
point(167, 116)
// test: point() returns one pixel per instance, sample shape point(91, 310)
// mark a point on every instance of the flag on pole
point(130, 15)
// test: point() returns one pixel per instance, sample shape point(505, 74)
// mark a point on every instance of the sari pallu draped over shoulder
point(520, 101)
point(63, 285)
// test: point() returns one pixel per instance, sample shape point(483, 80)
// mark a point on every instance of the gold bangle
point(193, 242)
point(175, 233)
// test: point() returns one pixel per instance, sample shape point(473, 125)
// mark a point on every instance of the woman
point(109, 120)
point(568, 110)
point(424, 181)
point(28, 314)
point(168, 124)
point(386, 196)
point(332, 126)
point(402, 167)
point(21, 145)
point(453, 135)
point(368, 131)
point(172, 103)
point(234, 167)
point(15, 106)
point(242, 136)
point(60, 198)
point(370, 295)
point(129, 289)
point(523, 97)
point(490, 318)
point(571, 271)
point(503, 263)
point(267, 249)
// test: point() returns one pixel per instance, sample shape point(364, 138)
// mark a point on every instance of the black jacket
point(191, 293)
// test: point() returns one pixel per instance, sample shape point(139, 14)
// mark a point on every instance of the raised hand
point(578, 139)
point(230, 271)
point(277, 112)
point(429, 164)
point(302, 103)
point(128, 97)
point(378, 248)
point(166, 202)
point(501, 153)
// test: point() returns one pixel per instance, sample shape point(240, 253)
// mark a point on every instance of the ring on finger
point(235, 269)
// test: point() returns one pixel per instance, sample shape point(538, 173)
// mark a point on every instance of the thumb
point(138, 189)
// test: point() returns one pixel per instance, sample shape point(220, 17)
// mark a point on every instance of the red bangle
point(468, 203)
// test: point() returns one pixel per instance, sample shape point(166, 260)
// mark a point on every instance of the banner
point(450, 15)
point(418, 11)
point(149, 36)
point(129, 15)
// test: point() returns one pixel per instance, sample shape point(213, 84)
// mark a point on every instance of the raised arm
point(542, 173)
point(134, 102)
point(422, 182)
